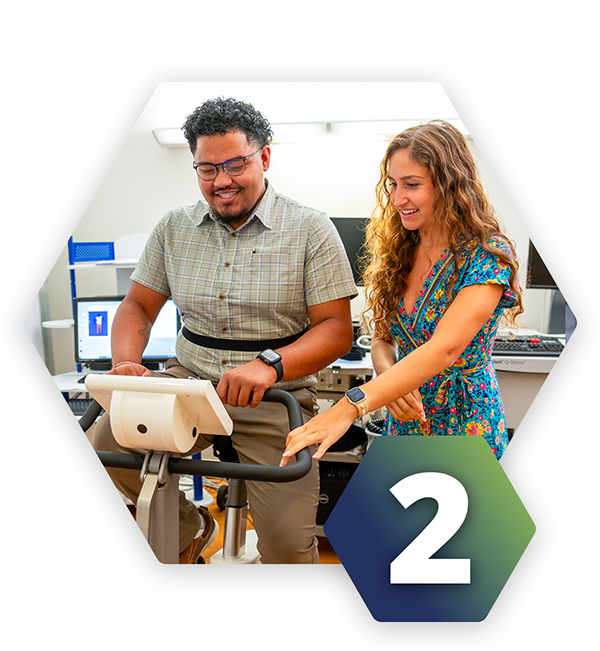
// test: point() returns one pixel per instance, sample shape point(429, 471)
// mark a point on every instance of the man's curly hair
point(222, 116)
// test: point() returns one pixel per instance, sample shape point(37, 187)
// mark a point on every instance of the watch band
point(357, 398)
point(271, 358)
point(278, 366)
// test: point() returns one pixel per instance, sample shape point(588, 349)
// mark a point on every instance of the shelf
point(340, 457)
point(60, 323)
point(130, 262)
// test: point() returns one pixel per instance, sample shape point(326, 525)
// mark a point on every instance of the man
point(263, 287)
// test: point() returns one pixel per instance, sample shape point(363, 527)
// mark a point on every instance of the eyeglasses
point(233, 167)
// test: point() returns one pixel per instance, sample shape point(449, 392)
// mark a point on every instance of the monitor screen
point(352, 232)
point(538, 276)
point(93, 322)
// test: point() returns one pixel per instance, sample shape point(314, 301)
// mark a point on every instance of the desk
point(519, 378)
point(69, 382)
point(336, 379)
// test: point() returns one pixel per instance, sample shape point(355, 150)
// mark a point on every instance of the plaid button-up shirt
point(254, 283)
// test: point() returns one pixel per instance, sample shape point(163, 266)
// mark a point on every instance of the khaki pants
point(283, 514)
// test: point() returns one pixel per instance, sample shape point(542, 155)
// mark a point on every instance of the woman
point(440, 277)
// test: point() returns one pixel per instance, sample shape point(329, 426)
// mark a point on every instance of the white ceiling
point(282, 102)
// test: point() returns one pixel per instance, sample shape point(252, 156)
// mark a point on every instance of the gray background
point(63, 121)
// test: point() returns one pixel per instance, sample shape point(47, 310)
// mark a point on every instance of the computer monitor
point(352, 233)
point(93, 323)
point(560, 316)
point(538, 276)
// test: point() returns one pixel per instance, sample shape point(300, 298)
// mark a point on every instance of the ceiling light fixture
point(310, 132)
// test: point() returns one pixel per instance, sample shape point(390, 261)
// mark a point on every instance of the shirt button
point(224, 329)
point(221, 297)
point(227, 264)
point(225, 362)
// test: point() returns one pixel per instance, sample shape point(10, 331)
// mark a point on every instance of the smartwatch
point(271, 358)
point(356, 397)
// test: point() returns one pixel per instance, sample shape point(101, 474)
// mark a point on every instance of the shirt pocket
point(272, 279)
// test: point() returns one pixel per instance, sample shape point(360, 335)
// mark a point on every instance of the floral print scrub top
point(465, 398)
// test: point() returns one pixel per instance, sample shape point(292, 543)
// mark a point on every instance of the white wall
point(146, 180)
point(535, 301)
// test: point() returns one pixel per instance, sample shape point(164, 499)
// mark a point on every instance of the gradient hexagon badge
point(429, 529)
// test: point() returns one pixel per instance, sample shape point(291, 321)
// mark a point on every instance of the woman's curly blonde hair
point(460, 207)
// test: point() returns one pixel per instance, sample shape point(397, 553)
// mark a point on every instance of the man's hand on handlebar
point(241, 386)
point(245, 385)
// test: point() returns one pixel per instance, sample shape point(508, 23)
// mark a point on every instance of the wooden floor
point(326, 553)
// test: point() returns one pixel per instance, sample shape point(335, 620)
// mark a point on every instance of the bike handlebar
point(218, 468)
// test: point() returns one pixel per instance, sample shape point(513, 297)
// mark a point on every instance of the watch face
point(270, 356)
point(355, 394)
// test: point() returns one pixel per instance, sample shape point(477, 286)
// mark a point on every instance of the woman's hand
point(407, 408)
point(324, 429)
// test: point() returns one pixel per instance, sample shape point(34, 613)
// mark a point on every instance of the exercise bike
point(164, 417)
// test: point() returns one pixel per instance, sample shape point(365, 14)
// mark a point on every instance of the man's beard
point(230, 219)
point(238, 217)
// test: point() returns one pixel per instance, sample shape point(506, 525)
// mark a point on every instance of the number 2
point(414, 564)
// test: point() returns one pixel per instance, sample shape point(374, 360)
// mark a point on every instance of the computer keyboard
point(529, 346)
point(79, 405)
